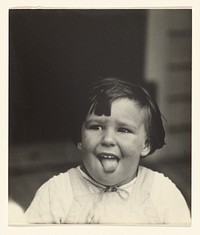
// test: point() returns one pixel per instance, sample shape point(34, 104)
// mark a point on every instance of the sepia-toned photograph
point(100, 117)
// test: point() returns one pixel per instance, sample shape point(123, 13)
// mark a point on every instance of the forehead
point(123, 110)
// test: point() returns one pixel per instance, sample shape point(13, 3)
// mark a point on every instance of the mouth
point(109, 161)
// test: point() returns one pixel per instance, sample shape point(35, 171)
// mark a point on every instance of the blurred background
point(55, 54)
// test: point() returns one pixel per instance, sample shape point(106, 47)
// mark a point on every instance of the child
point(121, 125)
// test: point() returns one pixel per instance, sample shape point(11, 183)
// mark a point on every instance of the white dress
point(73, 197)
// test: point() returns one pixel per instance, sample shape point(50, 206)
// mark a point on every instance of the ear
point(146, 149)
point(79, 145)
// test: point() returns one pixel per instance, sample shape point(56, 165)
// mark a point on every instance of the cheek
point(85, 139)
point(88, 140)
point(131, 146)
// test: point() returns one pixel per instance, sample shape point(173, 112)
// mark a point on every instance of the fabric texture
point(74, 197)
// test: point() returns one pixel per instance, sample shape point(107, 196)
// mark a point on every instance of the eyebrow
point(127, 124)
point(96, 119)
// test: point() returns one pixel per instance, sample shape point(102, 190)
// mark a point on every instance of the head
point(121, 124)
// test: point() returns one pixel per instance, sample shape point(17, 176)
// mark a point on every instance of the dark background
point(54, 54)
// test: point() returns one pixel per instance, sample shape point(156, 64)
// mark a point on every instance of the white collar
point(92, 181)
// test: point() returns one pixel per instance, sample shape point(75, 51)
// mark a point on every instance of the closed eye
point(124, 130)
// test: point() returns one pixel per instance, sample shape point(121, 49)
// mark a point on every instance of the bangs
point(101, 107)
point(103, 95)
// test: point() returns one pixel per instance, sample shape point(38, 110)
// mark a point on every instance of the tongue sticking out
point(109, 165)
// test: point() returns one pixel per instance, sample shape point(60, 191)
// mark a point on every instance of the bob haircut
point(104, 92)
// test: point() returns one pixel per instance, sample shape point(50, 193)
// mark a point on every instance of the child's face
point(112, 145)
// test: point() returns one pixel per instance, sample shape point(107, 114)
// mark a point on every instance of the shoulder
point(62, 179)
point(155, 177)
point(160, 184)
point(52, 201)
point(167, 198)
point(57, 182)
point(150, 178)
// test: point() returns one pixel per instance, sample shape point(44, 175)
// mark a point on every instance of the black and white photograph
point(100, 116)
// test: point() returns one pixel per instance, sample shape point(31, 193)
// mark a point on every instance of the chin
point(107, 182)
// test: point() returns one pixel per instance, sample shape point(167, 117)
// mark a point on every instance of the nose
point(108, 138)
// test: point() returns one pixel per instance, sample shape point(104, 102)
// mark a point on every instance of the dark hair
point(104, 92)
